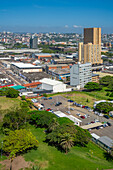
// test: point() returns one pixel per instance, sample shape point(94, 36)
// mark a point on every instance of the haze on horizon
point(55, 15)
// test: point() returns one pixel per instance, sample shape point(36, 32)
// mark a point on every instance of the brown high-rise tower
point(92, 35)
point(90, 51)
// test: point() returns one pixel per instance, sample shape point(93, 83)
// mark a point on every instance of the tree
point(105, 107)
point(82, 137)
point(54, 123)
point(16, 117)
point(19, 141)
point(30, 103)
point(92, 86)
point(12, 93)
point(45, 95)
point(41, 118)
point(106, 80)
point(23, 97)
point(111, 95)
point(67, 141)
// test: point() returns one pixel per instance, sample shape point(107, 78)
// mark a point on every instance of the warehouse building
point(54, 85)
point(19, 68)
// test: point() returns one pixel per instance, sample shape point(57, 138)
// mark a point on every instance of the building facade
point(90, 50)
point(80, 74)
point(33, 42)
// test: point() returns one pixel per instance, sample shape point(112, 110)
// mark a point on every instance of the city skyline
point(55, 16)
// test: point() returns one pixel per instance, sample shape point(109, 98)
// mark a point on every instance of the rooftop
point(31, 84)
point(35, 76)
point(50, 81)
point(60, 71)
point(106, 140)
point(57, 65)
point(42, 54)
point(25, 65)
point(92, 125)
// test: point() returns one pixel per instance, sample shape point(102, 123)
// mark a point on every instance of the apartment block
point(80, 74)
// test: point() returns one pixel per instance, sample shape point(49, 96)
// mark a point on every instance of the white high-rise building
point(80, 74)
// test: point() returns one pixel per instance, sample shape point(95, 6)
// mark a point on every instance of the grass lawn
point(81, 97)
point(79, 158)
point(6, 103)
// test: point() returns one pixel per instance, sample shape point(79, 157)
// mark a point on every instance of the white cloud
point(77, 26)
point(66, 26)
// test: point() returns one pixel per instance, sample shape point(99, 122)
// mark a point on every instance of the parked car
point(97, 127)
point(92, 122)
point(78, 114)
point(68, 112)
point(96, 120)
point(106, 116)
point(105, 125)
point(50, 98)
point(48, 109)
point(58, 104)
point(71, 101)
point(83, 117)
point(109, 124)
point(83, 106)
point(72, 108)
point(74, 103)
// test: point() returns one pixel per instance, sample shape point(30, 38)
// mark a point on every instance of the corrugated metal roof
point(106, 140)
point(95, 136)
point(18, 87)
point(92, 125)
point(32, 84)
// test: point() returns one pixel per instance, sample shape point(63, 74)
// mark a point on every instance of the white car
point(78, 114)
point(68, 112)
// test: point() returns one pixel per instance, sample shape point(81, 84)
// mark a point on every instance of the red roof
point(32, 84)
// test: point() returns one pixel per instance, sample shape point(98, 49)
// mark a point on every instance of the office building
point(33, 42)
point(80, 74)
point(92, 35)
point(90, 50)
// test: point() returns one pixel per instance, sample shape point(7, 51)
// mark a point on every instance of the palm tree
point(53, 125)
point(67, 142)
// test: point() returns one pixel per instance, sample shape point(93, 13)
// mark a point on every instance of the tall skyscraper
point(90, 51)
point(33, 42)
point(92, 35)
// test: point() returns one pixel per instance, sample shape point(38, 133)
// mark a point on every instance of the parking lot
point(66, 107)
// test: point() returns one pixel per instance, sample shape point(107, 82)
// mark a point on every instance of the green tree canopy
point(19, 141)
point(67, 135)
point(92, 86)
point(10, 92)
point(106, 80)
point(67, 141)
point(16, 117)
point(105, 107)
point(41, 118)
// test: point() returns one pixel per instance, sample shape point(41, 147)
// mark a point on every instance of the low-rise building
point(54, 85)
point(19, 68)
point(56, 66)
point(32, 85)
point(60, 74)
point(95, 78)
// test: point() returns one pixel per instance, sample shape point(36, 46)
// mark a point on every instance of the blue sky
point(55, 15)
